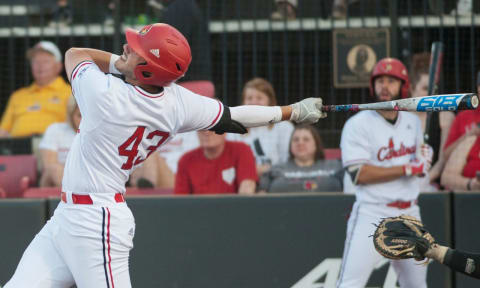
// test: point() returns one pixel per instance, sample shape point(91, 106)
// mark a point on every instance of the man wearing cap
point(30, 110)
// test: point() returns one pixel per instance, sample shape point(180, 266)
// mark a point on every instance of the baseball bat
point(436, 58)
point(446, 102)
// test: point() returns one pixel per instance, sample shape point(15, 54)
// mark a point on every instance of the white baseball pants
point(86, 245)
point(360, 256)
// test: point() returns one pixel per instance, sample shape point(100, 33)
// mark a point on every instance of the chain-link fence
point(236, 40)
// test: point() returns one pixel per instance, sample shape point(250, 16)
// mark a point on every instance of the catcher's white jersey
point(122, 124)
point(367, 138)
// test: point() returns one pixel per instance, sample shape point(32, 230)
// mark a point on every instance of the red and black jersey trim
point(217, 118)
point(147, 94)
point(75, 70)
point(107, 259)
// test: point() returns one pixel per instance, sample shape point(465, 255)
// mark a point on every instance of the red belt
point(402, 204)
point(86, 199)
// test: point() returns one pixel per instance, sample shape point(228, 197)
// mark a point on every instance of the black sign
point(355, 53)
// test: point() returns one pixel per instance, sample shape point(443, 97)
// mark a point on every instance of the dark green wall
point(231, 241)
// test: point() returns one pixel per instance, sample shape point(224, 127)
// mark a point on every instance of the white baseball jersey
point(269, 144)
point(58, 137)
point(122, 125)
point(367, 138)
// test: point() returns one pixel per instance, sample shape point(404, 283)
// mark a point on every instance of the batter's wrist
point(111, 67)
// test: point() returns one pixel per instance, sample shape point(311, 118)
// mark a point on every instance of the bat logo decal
point(436, 103)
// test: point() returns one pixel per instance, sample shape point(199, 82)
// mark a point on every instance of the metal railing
point(241, 41)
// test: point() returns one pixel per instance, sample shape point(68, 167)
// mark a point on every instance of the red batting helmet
point(166, 51)
point(391, 67)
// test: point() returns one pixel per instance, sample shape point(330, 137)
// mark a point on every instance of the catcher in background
point(383, 155)
point(405, 237)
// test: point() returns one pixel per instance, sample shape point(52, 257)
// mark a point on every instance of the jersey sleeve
point(354, 143)
point(246, 169)
point(89, 87)
point(48, 140)
point(196, 112)
point(182, 181)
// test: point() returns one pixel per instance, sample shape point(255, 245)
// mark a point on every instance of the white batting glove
point(415, 168)
point(307, 111)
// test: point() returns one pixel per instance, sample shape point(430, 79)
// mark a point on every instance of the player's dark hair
point(263, 86)
point(319, 154)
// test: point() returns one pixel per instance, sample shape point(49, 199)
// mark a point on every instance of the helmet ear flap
point(142, 72)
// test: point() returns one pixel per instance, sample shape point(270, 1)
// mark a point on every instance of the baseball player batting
point(383, 154)
point(126, 117)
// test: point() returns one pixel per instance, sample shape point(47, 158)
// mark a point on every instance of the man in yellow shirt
point(30, 110)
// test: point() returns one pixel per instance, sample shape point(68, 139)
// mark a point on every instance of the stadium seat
point(333, 153)
point(17, 173)
point(44, 192)
point(203, 87)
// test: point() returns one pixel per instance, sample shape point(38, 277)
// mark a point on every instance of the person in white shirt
point(270, 143)
point(125, 119)
point(55, 145)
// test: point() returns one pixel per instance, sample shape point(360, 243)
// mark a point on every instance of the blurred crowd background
point(264, 52)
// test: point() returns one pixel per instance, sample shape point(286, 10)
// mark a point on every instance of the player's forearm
point(370, 174)
point(436, 170)
point(101, 58)
point(447, 151)
point(454, 181)
point(463, 262)
point(247, 187)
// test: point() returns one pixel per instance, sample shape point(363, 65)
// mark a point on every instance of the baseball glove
point(402, 237)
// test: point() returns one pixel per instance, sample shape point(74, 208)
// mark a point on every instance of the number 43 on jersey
point(132, 154)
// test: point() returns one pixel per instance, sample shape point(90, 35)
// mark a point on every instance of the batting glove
point(415, 168)
point(307, 111)
point(426, 153)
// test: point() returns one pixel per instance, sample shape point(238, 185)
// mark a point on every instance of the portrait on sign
point(355, 53)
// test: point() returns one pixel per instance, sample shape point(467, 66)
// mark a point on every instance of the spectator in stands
point(55, 145)
point(340, 7)
point(269, 143)
point(62, 14)
point(466, 124)
point(30, 110)
point(153, 173)
point(188, 18)
point(463, 166)
point(285, 10)
point(216, 167)
point(307, 170)
point(419, 81)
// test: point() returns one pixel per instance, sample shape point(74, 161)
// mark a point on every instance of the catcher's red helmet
point(166, 51)
point(391, 67)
